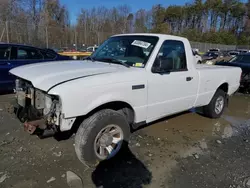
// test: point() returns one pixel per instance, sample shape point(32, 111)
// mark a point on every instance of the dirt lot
point(182, 151)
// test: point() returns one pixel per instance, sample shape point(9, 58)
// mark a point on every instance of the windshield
point(131, 49)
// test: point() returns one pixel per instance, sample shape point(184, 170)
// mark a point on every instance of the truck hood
point(46, 75)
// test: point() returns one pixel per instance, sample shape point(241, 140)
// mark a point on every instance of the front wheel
point(101, 136)
point(216, 106)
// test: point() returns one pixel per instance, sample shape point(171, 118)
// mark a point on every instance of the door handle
point(189, 78)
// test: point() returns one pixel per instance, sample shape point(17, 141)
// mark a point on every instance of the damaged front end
point(39, 111)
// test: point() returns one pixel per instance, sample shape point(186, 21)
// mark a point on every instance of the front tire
point(101, 136)
point(216, 106)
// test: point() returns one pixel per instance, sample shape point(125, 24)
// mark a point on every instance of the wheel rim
point(219, 105)
point(108, 142)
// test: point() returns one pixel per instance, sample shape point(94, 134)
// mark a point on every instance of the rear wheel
point(216, 106)
point(101, 136)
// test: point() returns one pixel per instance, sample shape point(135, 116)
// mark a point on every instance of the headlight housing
point(47, 104)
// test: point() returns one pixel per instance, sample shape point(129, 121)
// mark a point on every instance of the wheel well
point(224, 87)
point(119, 106)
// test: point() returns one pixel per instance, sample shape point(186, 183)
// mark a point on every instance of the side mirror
point(162, 65)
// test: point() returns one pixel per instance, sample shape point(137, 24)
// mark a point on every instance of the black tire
point(209, 110)
point(89, 129)
point(199, 62)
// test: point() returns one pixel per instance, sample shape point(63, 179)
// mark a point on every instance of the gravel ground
point(187, 150)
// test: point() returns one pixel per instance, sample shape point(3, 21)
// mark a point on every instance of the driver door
point(174, 89)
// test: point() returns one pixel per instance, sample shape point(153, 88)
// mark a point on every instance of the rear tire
point(216, 106)
point(96, 138)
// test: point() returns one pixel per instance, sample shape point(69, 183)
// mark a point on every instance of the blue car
point(14, 55)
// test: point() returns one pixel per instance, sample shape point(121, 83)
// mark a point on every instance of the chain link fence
point(61, 37)
point(203, 47)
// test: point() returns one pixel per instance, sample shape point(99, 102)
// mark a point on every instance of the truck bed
point(209, 67)
point(211, 77)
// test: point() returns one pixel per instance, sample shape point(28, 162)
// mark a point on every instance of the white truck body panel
point(85, 85)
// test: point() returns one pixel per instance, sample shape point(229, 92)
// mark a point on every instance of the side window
point(171, 57)
point(48, 55)
point(28, 53)
point(245, 59)
point(4, 53)
point(22, 54)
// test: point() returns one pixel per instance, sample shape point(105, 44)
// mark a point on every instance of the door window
point(245, 59)
point(48, 55)
point(171, 57)
point(4, 53)
point(28, 53)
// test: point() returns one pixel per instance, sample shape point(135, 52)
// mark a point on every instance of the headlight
point(47, 104)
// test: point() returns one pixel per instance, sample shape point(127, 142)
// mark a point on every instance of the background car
point(211, 57)
point(14, 55)
point(214, 50)
point(197, 57)
point(92, 48)
point(243, 51)
point(233, 53)
point(242, 61)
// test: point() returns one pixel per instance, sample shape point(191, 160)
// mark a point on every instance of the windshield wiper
point(113, 60)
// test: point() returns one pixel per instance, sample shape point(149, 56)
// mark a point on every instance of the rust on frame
point(31, 126)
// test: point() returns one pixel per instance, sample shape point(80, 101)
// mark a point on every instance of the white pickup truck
point(131, 80)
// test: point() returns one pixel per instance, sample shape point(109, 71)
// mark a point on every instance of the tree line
point(47, 21)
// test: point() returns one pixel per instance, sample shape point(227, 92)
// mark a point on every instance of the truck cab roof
point(160, 36)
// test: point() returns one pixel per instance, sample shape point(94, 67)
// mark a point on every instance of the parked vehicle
point(243, 51)
point(233, 53)
point(210, 57)
point(92, 48)
point(242, 61)
point(214, 50)
point(107, 96)
point(197, 57)
point(195, 50)
point(14, 55)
